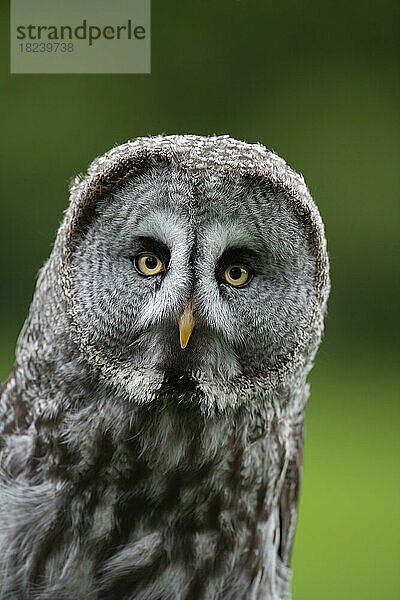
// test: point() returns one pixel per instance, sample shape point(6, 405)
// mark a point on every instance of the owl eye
point(237, 275)
point(149, 264)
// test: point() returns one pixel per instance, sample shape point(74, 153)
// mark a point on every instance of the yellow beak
point(186, 325)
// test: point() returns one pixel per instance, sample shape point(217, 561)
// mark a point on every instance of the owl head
point(193, 261)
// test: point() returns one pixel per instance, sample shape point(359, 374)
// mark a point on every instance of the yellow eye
point(237, 275)
point(149, 264)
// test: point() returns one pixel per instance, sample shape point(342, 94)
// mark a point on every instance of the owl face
point(194, 272)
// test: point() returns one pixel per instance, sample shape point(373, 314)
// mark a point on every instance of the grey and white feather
point(151, 430)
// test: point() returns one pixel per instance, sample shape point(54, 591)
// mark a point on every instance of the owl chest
point(211, 517)
point(192, 483)
point(159, 510)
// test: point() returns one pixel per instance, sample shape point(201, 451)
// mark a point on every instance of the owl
point(151, 429)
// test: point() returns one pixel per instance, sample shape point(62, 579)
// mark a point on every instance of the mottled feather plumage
point(131, 468)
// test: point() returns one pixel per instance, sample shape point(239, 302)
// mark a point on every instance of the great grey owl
point(151, 428)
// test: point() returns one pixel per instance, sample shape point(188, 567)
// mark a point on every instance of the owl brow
point(149, 244)
point(239, 254)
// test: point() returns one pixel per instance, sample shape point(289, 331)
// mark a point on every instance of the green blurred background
point(318, 82)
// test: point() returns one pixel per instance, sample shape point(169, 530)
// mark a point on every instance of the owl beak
point(186, 325)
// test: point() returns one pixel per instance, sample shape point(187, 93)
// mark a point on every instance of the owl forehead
point(184, 208)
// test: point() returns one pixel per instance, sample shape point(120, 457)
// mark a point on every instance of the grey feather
point(132, 468)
